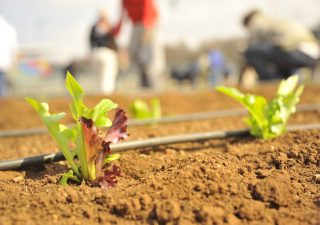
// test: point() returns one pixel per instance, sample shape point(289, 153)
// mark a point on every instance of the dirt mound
point(183, 187)
point(228, 181)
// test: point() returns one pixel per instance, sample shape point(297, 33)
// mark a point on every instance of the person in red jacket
point(142, 48)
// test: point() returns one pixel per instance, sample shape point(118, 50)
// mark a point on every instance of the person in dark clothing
point(104, 50)
point(277, 48)
point(103, 34)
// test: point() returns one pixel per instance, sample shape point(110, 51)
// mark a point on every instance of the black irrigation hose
point(54, 157)
point(167, 119)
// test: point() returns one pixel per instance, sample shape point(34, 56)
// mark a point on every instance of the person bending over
point(276, 47)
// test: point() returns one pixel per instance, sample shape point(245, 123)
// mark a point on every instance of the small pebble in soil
point(199, 187)
point(316, 178)
point(18, 179)
point(167, 211)
point(72, 195)
point(52, 179)
point(210, 215)
point(272, 148)
point(261, 174)
point(122, 208)
point(279, 160)
point(182, 153)
point(217, 166)
point(145, 201)
point(203, 169)
point(213, 187)
point(251, 210)
point(293, 152)
point(170, 151)
point(136, 204)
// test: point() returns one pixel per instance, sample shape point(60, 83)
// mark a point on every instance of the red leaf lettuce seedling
point(91, 148)
point(268, 120)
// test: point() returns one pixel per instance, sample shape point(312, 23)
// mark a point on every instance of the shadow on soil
point(40, 172)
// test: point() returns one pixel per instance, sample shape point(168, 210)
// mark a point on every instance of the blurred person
point(104, 50)
point(278, 48)
point(8, 46)
point(217, 66)
point(144, 50)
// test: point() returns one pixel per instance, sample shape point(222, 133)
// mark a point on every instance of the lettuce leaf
point(68, 176)
point(268, 120)
point(86, 147)
point(141, 110)
point(62, 134)
point(91, 148)
point(98, 147)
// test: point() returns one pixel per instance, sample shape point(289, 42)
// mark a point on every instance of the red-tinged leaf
point(117, 131)
point(92, 139)
point(108, 179)
point(97, 148)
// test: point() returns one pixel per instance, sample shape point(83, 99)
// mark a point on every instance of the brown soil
point(228, 181)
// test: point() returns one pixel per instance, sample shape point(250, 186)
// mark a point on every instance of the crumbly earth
point(225, 181)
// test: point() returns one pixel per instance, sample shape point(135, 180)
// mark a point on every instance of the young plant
point(268, 120)
point(84, 140)
point(141, 110)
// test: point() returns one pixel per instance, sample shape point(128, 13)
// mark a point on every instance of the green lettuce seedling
point(141, 110)
point(83, 141)
point(268, 120)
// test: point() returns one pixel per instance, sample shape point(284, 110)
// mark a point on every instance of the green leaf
point(286, 87)
point(100, 112)
point(103, 122)
point(104, 106)
point(268, 120)
point(73, 87)
point(156, 108)
point(77, 93)
point(111, 158)
point(256, 106)
point(141, 110)
point(294, 98)
point(84, 137)
point(253, 103)
point(99, 116)
point(82, 154)
point(78, 109)
point(231, 92)
point(62, 134)
point(66, 176)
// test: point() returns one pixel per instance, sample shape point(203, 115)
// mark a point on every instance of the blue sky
point(61, 26)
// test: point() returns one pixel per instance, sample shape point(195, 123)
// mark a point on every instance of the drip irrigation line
point(162, 120)
point(152, 142)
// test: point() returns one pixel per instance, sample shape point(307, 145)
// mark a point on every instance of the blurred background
point(53, 36)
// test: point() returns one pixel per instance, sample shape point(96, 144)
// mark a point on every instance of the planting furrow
point(151, 142)
point(167, 119)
